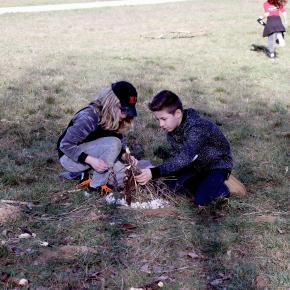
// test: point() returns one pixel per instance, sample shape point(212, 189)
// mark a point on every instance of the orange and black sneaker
point(100, 190)
point(85, 180)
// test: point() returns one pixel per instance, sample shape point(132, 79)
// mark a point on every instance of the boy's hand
point(134, 161)
point(144, 177)
point(97, 164)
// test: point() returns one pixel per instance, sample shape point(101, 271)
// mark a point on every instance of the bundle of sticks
point(149, 191)
point(130, 184)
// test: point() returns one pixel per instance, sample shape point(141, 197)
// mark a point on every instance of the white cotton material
point(153, 204)
point(110, 199)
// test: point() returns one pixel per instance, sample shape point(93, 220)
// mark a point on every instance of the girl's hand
point(144, 177)
point(97, 164)
point(133, 160)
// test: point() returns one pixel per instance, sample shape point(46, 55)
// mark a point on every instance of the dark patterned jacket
point(197, 142)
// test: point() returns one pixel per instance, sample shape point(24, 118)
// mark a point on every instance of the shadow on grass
point(262, 49)
point(217, 236)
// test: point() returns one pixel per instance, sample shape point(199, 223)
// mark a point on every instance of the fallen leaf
point(6, 262)
point(4, 277)
point(192, 255)
point(128, 226)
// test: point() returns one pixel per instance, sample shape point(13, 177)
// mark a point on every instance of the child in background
point(200, 158)
point(274, 28)
point(93, 139)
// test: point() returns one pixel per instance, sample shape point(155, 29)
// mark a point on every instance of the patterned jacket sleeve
point(192, 146)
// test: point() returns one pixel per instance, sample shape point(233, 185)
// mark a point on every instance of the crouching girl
point(93, 138)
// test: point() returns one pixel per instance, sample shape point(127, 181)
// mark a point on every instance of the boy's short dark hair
point(165, 100)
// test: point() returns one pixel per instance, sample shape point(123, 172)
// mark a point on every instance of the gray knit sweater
point(197, 142)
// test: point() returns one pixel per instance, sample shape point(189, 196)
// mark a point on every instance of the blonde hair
point(109, 109)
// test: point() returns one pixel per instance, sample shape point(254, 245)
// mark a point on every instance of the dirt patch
point(88, 217)
point(65, 253)
point(262, 283)
point(8, 212)
point(266, 219)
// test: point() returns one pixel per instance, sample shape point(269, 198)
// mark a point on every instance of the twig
point(267, 212)
point(15, 202)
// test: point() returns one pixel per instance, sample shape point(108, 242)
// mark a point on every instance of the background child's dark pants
point(206, 186)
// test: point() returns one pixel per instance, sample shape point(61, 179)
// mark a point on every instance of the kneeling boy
point(200, 154)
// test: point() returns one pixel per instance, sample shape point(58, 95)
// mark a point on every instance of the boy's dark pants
point(206, 186)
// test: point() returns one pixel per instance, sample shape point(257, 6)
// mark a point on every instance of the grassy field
point(52, 64)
